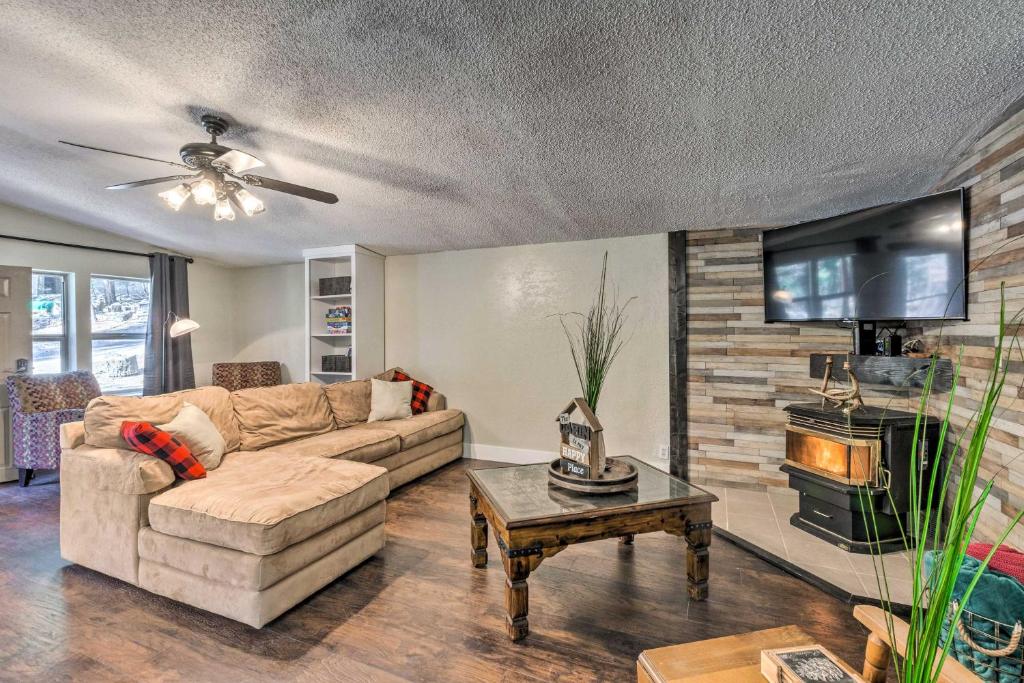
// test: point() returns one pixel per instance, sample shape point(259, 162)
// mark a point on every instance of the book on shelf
point(339, 320)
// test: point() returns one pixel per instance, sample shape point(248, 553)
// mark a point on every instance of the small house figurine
point(581, 453)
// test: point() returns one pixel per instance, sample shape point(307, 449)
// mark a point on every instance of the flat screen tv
point(896, 262)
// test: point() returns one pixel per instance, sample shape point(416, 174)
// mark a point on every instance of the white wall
point(210, 284)
point(477, 325)
point(270, 317)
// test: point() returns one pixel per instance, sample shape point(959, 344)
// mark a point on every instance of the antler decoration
point(847, 399)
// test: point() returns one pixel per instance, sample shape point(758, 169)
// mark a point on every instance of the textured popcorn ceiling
point(451, 125)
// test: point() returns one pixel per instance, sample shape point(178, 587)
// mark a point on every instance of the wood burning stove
point(843, 466)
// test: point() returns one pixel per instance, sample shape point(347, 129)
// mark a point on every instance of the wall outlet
point(662, 452)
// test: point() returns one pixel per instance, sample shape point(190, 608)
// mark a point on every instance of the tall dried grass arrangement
point(595, 339)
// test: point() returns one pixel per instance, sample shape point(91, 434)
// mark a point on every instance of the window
point(49, 322)
point(927, 281)
point(120, 316)
point(816, 288)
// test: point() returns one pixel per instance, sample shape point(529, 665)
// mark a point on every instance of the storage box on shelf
point(344, 313)
point(335, 286)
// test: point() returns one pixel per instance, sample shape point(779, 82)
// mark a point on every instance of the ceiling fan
point(215, 177)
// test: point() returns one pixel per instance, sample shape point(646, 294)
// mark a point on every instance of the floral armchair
point(40, 404)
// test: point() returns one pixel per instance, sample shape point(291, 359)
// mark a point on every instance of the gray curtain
point(168, 361)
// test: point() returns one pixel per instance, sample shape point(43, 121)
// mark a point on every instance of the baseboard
point(516, 456)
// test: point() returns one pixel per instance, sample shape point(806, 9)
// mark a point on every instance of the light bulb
point(176, 196)
point(223, 211)
point(249, 203)
point(204, 192)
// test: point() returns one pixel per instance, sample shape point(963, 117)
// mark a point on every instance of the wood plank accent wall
point(742, 372)
point(993, 170)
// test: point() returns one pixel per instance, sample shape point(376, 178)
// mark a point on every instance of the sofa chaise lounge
point(297, 501)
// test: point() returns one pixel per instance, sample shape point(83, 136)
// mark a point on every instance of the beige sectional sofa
point(298, 499)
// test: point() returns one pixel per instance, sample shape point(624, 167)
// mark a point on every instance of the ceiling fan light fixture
point(211, 171)
point(249, 202)
point(176, 196)
point(223, 210)
point(204, 192)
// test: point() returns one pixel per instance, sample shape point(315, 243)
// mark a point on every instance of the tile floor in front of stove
point(762, 518)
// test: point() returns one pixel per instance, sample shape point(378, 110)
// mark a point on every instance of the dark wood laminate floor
point(418, 611)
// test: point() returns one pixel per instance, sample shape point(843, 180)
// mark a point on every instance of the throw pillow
point(389, 400)
point(420, 391)
point(145, 438)
point(195, 429)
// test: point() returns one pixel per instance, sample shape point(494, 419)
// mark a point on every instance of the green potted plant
point(595, 339)
point(945, 536)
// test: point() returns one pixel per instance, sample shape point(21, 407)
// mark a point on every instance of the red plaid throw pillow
point(420, 392)
point(145, 438)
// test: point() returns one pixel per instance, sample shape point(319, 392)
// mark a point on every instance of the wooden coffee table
point(732, 659)
point(533, 520)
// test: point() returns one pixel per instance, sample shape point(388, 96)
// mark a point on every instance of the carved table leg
point(698, 538)
point(477, 532)
point(876, 659)
point(517, 596)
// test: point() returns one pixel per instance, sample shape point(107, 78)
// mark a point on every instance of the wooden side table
point(732, 659)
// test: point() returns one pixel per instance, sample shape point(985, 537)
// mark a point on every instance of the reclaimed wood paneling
point(678, 421)
point(993, 171)
point(742, 372)
point(900, 371)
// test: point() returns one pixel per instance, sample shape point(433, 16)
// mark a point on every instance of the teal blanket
point(998, 597)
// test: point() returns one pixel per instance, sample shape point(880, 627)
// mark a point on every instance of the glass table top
point(522, 492)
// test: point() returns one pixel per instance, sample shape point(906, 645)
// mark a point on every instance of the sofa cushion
point(361, 445)
point(121, 471)
point(350, 401)
point(387, 375)
point(104, 415)
point(245, 570)
point(261, 503)
point(420, 428)
point(273, 415)
point(216, 403)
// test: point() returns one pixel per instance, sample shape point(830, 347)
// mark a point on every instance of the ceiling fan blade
point(124, 154)
point(289, 188)
point(238, 161)
point(151, 181)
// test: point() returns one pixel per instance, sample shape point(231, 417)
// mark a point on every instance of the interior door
point(15, 349)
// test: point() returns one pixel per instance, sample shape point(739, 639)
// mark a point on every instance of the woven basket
point(993, 649)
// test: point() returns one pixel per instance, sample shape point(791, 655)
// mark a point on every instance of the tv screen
point(903, 261)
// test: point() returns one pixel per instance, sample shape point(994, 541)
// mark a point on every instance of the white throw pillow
point(390, 400)
point(195, 429)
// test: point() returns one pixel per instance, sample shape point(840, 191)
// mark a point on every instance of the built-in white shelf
point(365, 343)
point(330, 297)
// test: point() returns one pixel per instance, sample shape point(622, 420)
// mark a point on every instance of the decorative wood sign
point(806, 664)
point(581, 452)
